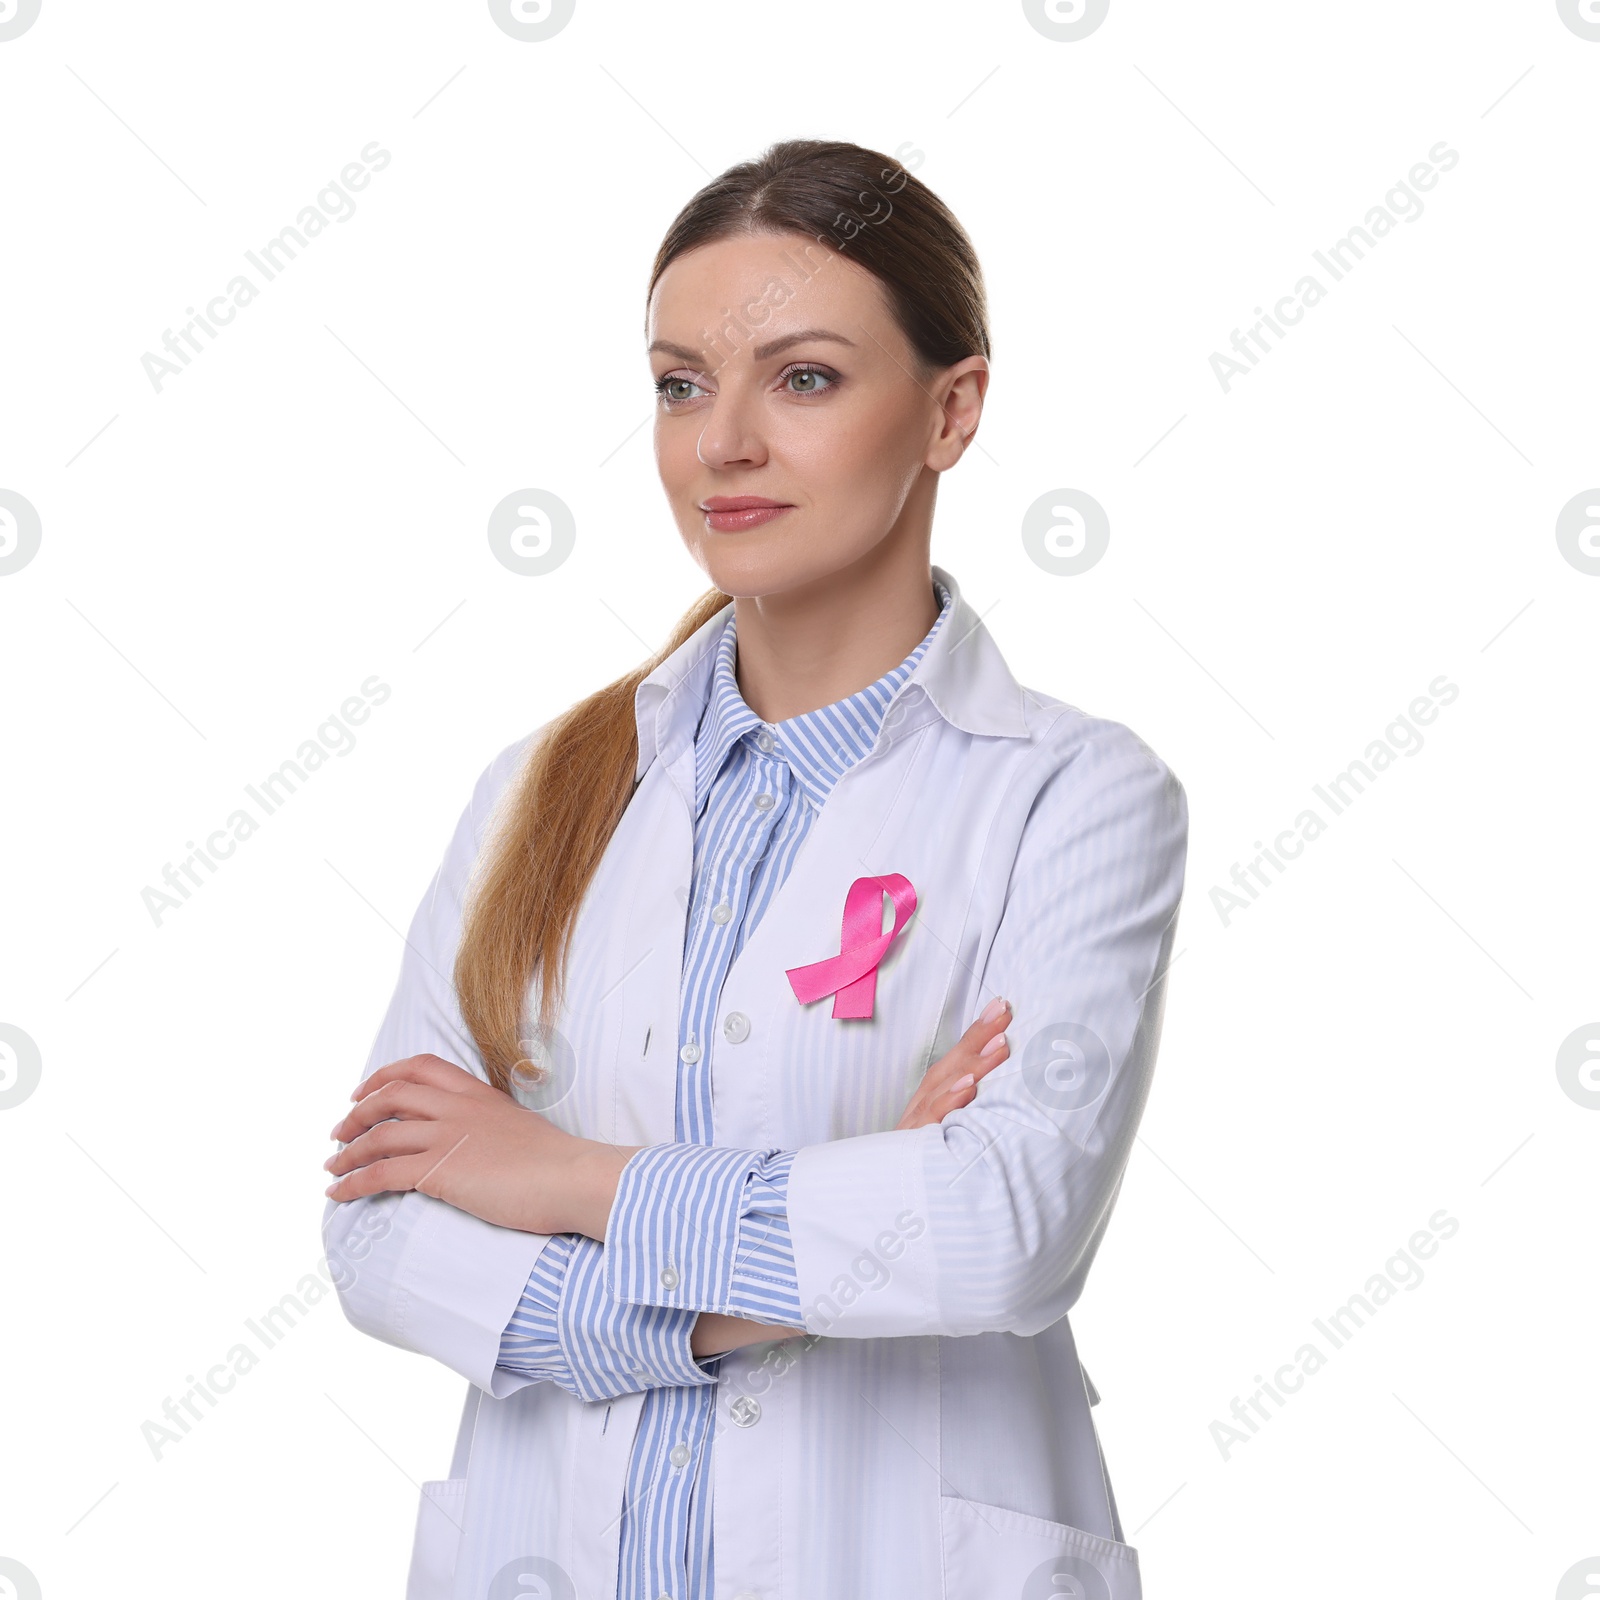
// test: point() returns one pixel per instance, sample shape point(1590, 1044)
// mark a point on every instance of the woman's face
point(793, 419)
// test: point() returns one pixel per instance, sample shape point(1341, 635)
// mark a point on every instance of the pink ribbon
point(851, 977)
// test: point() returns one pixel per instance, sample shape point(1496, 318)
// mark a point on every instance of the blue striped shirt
point(713, 1220)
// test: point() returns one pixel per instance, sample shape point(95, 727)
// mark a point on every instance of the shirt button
point(669, 1277)
point(690, 1053)
point(763, 802)
point(745, 1411)
point(736, 1027)
point(721, 911)
point(680, 1455)
point(765, 741)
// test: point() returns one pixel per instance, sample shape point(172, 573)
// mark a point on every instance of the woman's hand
point(952, 1081)
point(427, 1125)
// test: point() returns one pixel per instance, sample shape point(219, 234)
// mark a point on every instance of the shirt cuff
point(569, 1331)
point(765, 1287)
point(672, 1238)
point(531, 1344)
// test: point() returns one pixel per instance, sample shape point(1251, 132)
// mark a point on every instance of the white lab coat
point(936, 1439)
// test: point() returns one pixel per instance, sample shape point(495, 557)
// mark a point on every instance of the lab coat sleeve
point(988, 1220)
point(411, 1270)
point(703, 1228)
point(569, 1331)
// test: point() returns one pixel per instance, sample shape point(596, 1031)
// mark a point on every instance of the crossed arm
point(426, 1125)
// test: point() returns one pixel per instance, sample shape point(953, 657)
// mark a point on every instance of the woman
point(744, 1114)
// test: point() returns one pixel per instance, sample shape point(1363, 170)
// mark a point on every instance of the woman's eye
point(808, 380)
point(675, 390)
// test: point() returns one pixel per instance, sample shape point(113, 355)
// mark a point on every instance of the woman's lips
point(746, 511)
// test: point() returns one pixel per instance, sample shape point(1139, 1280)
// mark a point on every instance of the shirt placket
point(718, 911)
point(720, 905)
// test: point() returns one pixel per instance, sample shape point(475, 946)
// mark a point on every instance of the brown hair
point(559, 813)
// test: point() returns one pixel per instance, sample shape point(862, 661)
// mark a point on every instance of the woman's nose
point(730, 436)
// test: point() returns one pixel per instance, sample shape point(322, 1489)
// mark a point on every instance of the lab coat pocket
point(438, 1537)
point(991, 1553)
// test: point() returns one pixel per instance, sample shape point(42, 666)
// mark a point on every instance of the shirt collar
point(961, 673)
point(819, 746)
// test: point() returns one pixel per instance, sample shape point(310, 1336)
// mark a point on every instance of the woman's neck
point(822, 642)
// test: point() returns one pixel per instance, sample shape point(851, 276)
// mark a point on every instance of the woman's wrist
point(596, 1172)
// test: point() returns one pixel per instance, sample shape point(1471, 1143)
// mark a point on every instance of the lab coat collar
point(962, 673)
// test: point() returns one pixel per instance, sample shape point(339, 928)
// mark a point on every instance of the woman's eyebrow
point(681, 351)
point(761, 351)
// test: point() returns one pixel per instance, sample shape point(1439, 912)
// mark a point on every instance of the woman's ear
point(959, 391)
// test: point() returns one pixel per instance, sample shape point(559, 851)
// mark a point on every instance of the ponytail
point(553, 826)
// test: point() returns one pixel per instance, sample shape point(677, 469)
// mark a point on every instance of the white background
point(223, 563)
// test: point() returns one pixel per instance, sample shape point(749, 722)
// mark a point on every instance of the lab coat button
point(680, 1455)
point(736, 1027)
point(690, 1053)
point(745, 1411)
point(669, 1277)
point(721, 911)
point(763, 802)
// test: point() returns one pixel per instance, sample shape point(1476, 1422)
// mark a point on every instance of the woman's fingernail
point(992, 1010)
point(994, 1044)
point(331, 1187)
point(961, 1083)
